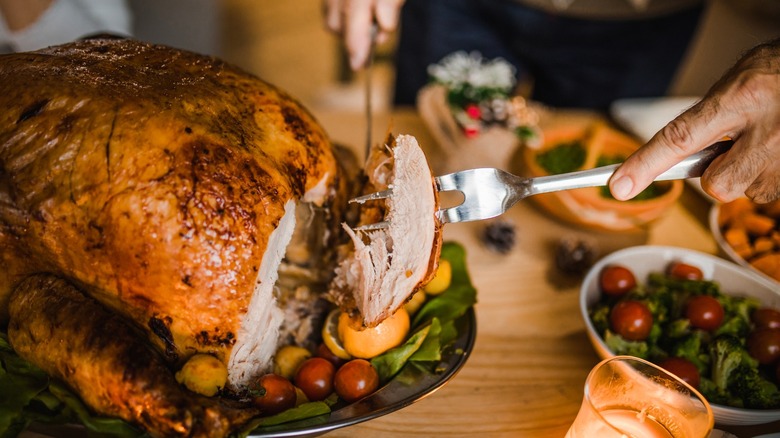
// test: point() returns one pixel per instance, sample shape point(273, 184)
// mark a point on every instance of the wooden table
point(526, 373)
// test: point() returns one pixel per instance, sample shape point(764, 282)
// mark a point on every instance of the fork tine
point(373, 227)
point(465, 213)
point(487, 193)
point(447, 182)
point(384, 194)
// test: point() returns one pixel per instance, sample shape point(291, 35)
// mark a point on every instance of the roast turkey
point(195, 204)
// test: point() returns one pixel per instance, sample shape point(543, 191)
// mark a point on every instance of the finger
point(357, 31)
point(765, 189)
point(386, 13)
point(747, 169)
point(333, 15)
point(700, 126)
point(718, 179)
point(382, 36)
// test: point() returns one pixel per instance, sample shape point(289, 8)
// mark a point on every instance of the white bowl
point(725, 248)
point(733, 279)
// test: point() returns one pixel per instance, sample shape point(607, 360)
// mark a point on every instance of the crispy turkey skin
point(102, 358)
point(155, 179)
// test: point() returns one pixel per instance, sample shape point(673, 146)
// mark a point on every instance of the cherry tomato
point(764, 345)
point(704, 312)
point(682, 368)
point(315, 378)
point(631, 319)
point(616, 280)
point(324, 352)
point(684, 271)
point(273, 393)
point(355, 380)
point(766, 317)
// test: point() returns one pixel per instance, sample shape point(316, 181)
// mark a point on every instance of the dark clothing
point(572, 62)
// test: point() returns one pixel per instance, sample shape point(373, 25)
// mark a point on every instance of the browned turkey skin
point(154, 179)
point(102, 358)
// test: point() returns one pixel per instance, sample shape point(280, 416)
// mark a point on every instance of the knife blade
point(367, 71)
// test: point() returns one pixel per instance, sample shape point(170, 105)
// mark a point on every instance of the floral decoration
point(479, 93)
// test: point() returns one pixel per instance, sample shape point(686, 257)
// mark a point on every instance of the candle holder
point(630, 397)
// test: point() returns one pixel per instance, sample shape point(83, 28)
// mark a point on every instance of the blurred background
point(285, 43)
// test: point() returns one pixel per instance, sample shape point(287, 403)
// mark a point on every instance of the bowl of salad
point(711, 322)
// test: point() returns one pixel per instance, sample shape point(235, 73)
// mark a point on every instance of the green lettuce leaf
point(430, 350)
point(315, 412)
point(103, 426)
point(390, 362)
point(459, 296)
point(20, 383)
point(434, 323)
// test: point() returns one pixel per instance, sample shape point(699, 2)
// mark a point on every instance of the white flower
point(468, 69)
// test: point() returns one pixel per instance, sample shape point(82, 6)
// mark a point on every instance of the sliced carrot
point(758, 224)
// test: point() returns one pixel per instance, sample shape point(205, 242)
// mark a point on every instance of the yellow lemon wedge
point(441, 281)
point(330, 335)
point(365, 343)
point(288, 359)
point(415, 302)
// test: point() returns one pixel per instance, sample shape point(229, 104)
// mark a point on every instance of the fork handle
point(691, 167)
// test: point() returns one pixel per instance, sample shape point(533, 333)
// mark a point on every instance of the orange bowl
point(593, 207)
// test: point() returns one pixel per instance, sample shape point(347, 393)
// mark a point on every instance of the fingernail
point(622, 187)
point(357, 61)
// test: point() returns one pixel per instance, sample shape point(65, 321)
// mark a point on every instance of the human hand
point(352, 19)
point(743, 105)
point(20, 14)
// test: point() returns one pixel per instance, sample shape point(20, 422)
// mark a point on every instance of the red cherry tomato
point(616, 280)
point(764, 345)
point(766, 317)
point(355, 380)
point(684, 271)
point(631, 319)
point(315, 378)
point(682, 368)
point(704, 312)
point(324, 352)
point(273, 393)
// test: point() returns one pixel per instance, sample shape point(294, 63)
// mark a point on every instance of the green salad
point(726, 346)
point(30, 396)
point(570, 157)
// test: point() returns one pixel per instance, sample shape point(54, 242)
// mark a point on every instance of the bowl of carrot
point(748, 233)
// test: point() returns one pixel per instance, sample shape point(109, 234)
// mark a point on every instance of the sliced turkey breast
point(388, 265)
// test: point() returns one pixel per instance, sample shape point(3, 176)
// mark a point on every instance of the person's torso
point(612, 9)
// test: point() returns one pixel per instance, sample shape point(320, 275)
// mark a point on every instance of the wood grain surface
point(526, 373)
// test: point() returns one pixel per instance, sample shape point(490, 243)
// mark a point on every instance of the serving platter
point(410, 385)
